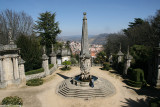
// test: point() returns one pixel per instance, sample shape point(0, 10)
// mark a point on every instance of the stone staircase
point(101, 89)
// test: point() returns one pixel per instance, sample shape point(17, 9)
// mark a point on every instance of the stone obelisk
point(85, 62)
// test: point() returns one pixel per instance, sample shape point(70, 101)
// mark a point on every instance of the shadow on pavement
point(63, 76)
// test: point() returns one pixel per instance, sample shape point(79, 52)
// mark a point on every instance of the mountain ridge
point(93, 39)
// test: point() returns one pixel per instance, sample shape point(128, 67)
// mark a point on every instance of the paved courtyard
point(45, 95)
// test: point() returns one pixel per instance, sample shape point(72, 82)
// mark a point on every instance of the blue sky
point(104, 16)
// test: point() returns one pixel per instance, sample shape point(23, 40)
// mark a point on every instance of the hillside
point(93, 39)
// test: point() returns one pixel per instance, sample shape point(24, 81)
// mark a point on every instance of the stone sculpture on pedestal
point(85, 58)
point(45, 62)
point(80, 85)
point(128, 60)
point(11, 72)
point(120, 55)
point(53, 57)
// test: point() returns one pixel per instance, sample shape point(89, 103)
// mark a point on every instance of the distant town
point(93, 48)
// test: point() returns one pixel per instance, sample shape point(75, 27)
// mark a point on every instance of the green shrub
point(34, 82)
point(100, 58)
point(120, 67)
point(66, 65)
point(34, 71)
point(65, 69)
point(74, 61)
point(51, 65)
point(30, 51)
point(134, 83)
point(142, 56)
point(137, 75)
point(12, 100)
point(106, 66)
point(154, 103)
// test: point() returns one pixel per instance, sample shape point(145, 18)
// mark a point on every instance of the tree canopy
point(19, 22)
point(48, 28)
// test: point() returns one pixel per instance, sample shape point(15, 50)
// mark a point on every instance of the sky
point(103, 16)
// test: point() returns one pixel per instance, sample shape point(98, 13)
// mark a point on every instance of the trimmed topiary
point(34, 82)
point(136, 77)
point(134, 83)
point(12, 100)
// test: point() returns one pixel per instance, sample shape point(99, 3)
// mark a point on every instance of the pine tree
point(48, 28)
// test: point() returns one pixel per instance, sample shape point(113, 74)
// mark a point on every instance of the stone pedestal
point(22, 71)
point(156, 76)
point(128, 60)
point(53, 57)
point(9, 69)
point(120, 55)
point(45, 64)
point(10, 73)
point(126, 66)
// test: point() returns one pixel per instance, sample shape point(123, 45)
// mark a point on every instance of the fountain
point(79, 85)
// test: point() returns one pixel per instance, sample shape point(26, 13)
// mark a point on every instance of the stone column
point(110, 59)
point(8, 69)
point(22, 70)
point(157, 66)
point(128, 60)
point(45, 64)
point(85, 57)
point(53, 58)
point(120, 55)
point(1, 70)
point(15, 68)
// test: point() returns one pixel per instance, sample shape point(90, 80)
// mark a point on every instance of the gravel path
point(45, 95)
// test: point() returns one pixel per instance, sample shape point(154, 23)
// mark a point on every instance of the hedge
point(12, 100)
point(134, 83)
point(154, 103)
point(137, 75)
point(34, 82)
point(36, 71)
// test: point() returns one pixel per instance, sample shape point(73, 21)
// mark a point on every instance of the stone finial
point(84, 18)
point(128, 56)
point(120, 46)
point(44, 49)
point(10, 36)
point(120, 52)
point(128, 50)
point(53, 54)
point(52, 48)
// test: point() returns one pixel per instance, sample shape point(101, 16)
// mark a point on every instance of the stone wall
point(40, 75)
